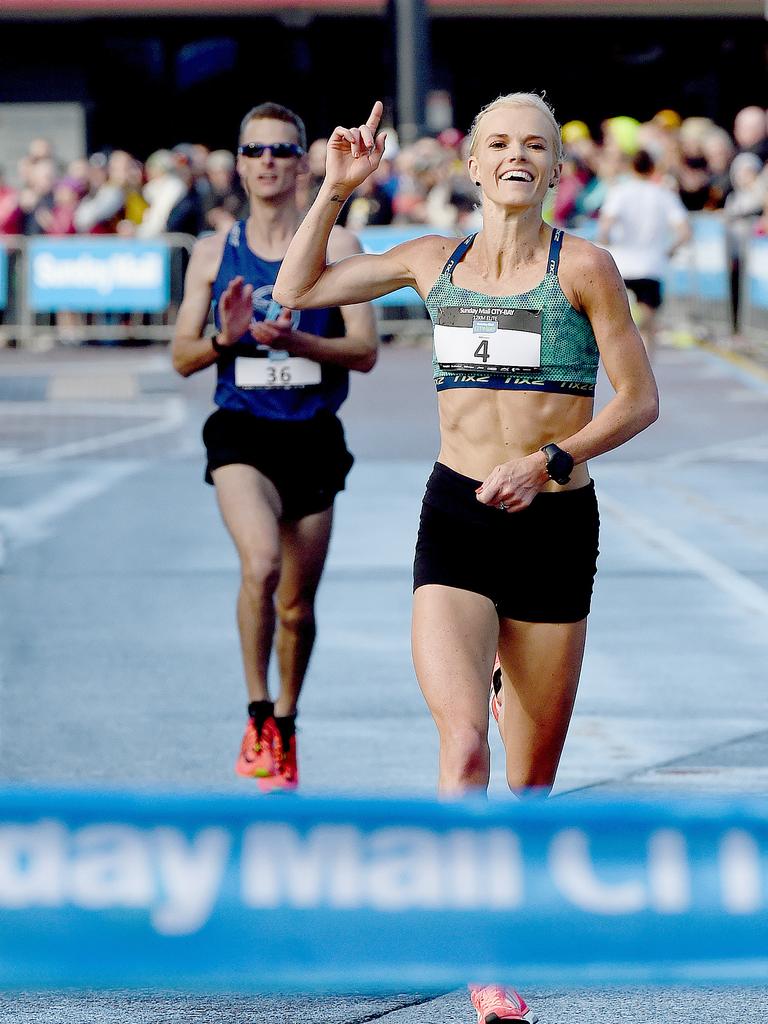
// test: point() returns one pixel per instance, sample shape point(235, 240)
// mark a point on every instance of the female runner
point(508, 538)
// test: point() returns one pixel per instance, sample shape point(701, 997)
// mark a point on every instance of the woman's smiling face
point(515, 156)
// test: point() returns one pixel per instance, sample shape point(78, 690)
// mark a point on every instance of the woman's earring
point(478, 184)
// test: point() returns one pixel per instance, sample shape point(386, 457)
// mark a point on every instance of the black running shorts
point(537, 565)
point(646, 290)
point(306, 460)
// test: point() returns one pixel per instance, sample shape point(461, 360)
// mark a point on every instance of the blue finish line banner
point(271, 894)
point(95, 276)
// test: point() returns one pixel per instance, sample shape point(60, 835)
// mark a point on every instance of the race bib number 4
point(276, 370)
point(494, 340)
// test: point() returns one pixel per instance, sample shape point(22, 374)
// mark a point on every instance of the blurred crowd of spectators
point(188, 189)
point(192, 190)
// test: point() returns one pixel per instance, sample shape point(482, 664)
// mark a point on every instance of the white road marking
point(109, 408)
point(97, 366)
point(748, 449)
point(34, 521)
point(736, 585)
point(172, 414)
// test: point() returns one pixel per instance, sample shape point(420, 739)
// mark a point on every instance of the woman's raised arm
point(306, 279)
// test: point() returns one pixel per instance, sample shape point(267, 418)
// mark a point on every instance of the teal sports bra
point(535, 341)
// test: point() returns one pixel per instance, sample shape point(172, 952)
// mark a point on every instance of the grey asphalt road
point(118, 649)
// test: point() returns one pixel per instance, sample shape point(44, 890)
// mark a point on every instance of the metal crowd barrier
point(697, 291)
point(697, 285)
point(143, 890)
point(754, 289)
point(84, 288)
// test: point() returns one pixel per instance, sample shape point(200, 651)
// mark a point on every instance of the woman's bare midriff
point(480, 429)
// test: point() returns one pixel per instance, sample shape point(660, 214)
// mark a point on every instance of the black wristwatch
point(559, 463)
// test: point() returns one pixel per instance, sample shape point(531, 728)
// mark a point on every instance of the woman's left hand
point(513, 485)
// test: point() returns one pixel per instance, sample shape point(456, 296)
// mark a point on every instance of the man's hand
point(235, 311)
point(513, 485)
point(277, 334)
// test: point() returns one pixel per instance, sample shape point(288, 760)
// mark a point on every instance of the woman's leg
point(454, 637)
point(541, 664)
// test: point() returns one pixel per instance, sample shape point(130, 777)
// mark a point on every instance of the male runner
point(643, 224)
point(275, 447)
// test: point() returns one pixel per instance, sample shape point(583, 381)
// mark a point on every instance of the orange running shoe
point(496, 1003)
point(496, 689)
point(284, 748)
point(257, 758)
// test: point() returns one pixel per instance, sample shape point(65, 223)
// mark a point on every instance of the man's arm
point(357, 350)
point(107, 203)
point(680, 224)
point(604, 225)
point(190, 351)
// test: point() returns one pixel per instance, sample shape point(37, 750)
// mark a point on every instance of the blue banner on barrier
point(121, 890)
point(757, 272)
point(700, 269)
point(3, 278)
point(86, 275)
point(380, 239)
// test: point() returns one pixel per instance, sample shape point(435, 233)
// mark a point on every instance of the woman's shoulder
point(583, 257)
point(433, 247)
point(587, 271)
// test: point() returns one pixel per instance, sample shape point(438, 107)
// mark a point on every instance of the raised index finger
point(375, 116)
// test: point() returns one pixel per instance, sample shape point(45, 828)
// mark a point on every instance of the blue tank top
point(276, 400)
point(534, 341)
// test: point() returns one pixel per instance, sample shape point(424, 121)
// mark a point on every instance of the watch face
point(559, 466)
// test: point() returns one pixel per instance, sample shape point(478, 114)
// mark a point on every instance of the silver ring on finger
point(502, 507)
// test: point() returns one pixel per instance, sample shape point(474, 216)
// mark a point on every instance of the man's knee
point(261, 573)
point(296, 614)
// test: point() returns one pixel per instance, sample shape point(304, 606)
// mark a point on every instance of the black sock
point(496, 679)
point(260, 711)
point(287, 726)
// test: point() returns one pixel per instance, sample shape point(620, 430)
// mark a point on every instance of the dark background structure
point(149, 79)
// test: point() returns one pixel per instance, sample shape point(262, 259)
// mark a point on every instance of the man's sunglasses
point(279, 150)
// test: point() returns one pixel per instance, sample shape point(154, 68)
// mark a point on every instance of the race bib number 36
point(490, 339)
point(276, 370)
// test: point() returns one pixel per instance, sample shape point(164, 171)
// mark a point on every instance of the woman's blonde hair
point(520, 99)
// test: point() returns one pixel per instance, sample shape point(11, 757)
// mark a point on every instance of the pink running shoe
point(286, 764)
point(257, 759)
point(286, 770)
point(495, 1003)
point(496, 689)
